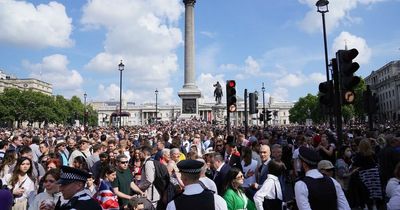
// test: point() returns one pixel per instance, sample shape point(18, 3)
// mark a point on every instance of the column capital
point(189, 2)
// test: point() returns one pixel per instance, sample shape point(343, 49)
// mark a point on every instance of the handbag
point(21, 204)
point(273, 204)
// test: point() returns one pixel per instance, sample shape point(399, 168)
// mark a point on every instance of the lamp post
point(121, 67)
point(85, 111)
point(263, 90)
point(322, 7)
point(156, 105)
point(256, 93)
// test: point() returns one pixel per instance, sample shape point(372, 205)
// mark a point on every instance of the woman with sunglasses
point(234, 195)
point(21, 183)
point(51, 194)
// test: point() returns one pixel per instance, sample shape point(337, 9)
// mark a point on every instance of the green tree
point(306, 107)
point(21, 106)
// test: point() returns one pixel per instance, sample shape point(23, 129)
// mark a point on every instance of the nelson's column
point(189, 92)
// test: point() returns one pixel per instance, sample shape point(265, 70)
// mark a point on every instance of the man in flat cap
point(72, 183)
point(195, 197)
point(316, 191)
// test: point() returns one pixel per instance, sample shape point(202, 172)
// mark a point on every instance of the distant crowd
point(280, 167)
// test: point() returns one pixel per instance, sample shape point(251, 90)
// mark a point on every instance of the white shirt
point(45, 196)
point(186, 144)
point(193, 189)
point(391, 186)
point(209, 183)
point(394, 202)
point(26, 183)
point(251, 167)
point(267, 191)
point(295, 157)
point(301, 192)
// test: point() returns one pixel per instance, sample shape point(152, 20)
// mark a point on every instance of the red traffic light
point(231, 83)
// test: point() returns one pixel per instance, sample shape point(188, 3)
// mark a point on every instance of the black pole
point(263, 90)
point(326, 63)
point(120, 98)
point(85, 112)
point(120, 68)
point(246, 117)
point(228, 122)
point(338, 103)
point(156, 106)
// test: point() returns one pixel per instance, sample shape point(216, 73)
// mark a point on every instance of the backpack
point(161, 183)
point(161, 179)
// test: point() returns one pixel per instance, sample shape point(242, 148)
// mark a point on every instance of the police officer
point(195, 197)
point(72, 182)
point(316, 191)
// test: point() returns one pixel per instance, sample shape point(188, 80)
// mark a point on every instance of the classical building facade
point(132, 114)
point(385, 84)
point(7, 81)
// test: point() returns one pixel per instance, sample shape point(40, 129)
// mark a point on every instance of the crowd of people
point(192, 164)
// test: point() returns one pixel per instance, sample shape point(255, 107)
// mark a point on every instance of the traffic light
point(269, 115)
point(252, 103)
point(261, 117)
point(326, 93)
point(347, 68)
point(231, 96)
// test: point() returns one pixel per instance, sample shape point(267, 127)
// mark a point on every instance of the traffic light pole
point(246, 117)
point(337, 104)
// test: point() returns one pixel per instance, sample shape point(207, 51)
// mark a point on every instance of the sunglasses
point(123, 162)
point(240, 177)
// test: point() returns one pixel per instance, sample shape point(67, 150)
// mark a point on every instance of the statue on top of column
point(218, 92)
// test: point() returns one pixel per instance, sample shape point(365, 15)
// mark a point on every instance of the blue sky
point(77, 45)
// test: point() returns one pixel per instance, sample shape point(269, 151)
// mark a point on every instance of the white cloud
point(317, 77)
point(111, 92)
point(280, 94)
point(144, 34)
point(251, 68)
point(339, 13)
point(208, 34)
point(353, 41)
point(291, 80)
point(54, 70)
point(44, 25)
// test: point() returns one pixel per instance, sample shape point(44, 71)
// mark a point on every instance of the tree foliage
point(29, 106)
point(309, 107)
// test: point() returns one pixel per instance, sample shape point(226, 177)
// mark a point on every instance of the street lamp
point(322, 7)
point(156, 105)
point(85, 111)
point(121, 67)
point(263, 90)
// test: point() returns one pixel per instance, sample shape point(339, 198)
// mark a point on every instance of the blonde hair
point(364, 147)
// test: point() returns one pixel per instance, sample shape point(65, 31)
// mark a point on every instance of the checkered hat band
point(72, 176)
point(190, 171)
